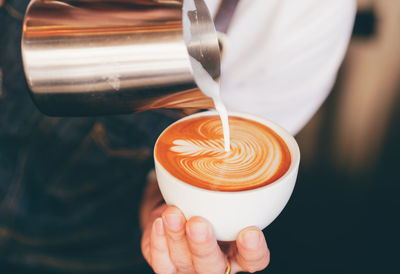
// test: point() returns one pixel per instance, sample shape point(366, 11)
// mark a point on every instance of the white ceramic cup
point(230, 212)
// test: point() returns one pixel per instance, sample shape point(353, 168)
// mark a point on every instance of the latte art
point(193, 151)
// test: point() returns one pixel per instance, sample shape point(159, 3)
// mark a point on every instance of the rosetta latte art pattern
point(193, 151)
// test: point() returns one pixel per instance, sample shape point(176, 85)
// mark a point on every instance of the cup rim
point(283, 133)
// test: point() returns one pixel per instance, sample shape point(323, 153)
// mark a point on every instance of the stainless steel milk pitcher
point(94, 57)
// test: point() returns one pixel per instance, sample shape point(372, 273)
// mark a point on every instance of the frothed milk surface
point(193, 151)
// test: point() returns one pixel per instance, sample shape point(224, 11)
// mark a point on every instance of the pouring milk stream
point(206, 83)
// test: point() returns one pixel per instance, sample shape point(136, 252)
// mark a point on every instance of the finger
point(253, 254)
point(145, 243)
point(206, 255)
point(174, 224)
point(160, 260)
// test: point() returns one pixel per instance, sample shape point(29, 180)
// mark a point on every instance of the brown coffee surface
point(193, 151)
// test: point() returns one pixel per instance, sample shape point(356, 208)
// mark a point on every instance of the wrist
point(151, 199)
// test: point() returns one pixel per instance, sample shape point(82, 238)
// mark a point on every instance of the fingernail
point(251, 239)
point(159, 227)
point(198, 231)
point(174, 221)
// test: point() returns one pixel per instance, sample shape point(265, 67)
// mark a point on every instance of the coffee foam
point(193, 151)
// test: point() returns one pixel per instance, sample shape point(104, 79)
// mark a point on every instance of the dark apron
point(70, 188)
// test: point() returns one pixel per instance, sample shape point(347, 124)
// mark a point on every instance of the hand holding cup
point(172, 244)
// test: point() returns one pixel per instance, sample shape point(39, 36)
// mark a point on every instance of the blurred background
point(344, 214)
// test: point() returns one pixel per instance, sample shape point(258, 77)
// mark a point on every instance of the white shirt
point(282, 56)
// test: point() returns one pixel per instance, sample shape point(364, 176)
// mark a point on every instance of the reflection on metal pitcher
point(105, 57)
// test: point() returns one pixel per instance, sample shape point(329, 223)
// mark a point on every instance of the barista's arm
point(284, 68)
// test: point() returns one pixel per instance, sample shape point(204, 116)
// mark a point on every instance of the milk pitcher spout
point(96, 57)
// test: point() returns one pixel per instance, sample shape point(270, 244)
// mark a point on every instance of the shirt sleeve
point(282, 57)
